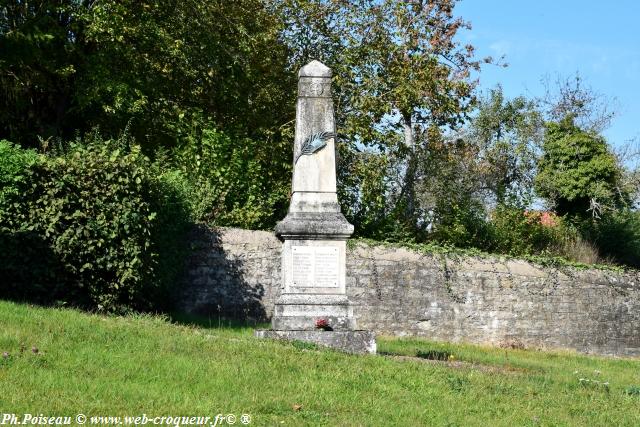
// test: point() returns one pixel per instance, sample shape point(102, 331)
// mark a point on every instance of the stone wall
point(399, 292)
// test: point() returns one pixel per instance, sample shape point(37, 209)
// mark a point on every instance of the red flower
point(322, 324)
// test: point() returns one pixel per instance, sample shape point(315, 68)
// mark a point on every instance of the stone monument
point(313, 305)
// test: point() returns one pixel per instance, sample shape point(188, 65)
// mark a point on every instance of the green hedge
point(97, 226)
point(27, 265)
point(14, 164)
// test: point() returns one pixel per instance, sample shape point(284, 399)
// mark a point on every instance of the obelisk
point(313, 304)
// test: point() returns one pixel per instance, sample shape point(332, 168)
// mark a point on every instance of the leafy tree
point(39, 57)
point(463, 176)
point(628, 155)
point(169, 68)
point(577, 173)
point(179, 66)
point(508, 134)
point(397, 64)
point(399, 73)
point(450, 193)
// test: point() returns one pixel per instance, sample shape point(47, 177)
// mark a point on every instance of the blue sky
point(598, 39)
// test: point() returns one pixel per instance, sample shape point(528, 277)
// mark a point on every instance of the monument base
point(356, 342)
point(300, 312)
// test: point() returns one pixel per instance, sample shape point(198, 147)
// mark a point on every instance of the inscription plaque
point(315, 266)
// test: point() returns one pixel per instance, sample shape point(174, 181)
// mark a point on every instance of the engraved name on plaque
point(315, 266)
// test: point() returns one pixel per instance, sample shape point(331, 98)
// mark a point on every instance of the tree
point(165, 69)
point(399, 74)
point(39, 56)
point(451, 195)
point(577, 173)
point(508, 134)
point(591, 111)
point(489, 163)
point(628, 155)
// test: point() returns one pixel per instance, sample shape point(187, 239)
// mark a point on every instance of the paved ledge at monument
point(356, 342)
point(397, 291)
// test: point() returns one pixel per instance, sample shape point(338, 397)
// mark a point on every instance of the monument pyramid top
point(315, 69)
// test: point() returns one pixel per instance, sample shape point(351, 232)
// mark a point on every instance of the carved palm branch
point(314, 143)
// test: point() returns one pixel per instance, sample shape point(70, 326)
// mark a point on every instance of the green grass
point(132, 365)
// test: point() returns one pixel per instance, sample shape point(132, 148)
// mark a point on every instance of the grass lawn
point(117, 366)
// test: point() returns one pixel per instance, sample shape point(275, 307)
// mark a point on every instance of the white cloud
point(501, 47)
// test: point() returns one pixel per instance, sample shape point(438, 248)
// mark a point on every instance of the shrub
point(461, 223)
point(105, 218)
point(173, 200)
point(575, 248)
point(616, 235)
point(237, 181)
point(25, 257)
point(14, 164)
point(520, 232)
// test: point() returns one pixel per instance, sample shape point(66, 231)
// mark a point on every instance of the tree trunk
point(408, 131)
